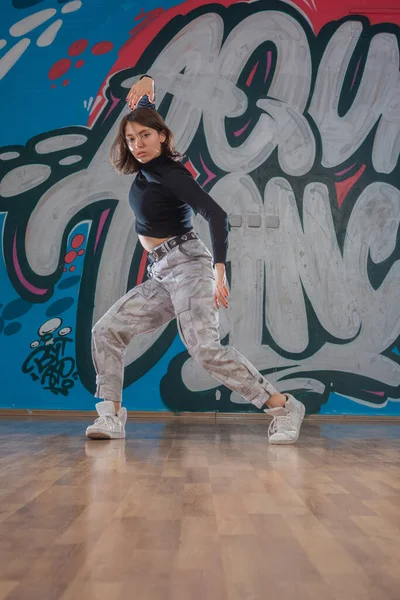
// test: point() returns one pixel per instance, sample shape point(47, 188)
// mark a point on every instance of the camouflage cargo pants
point(180, 286)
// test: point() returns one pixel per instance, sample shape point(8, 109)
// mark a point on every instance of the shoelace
point(279, 424)
point(104, 419)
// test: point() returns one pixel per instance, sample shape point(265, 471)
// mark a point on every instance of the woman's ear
point(163, 137)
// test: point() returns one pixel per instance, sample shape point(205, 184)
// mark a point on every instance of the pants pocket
point(195, 249)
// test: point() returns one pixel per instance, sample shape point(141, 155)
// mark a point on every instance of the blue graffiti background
point(30, 105)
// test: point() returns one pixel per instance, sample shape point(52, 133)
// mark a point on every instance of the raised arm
point(142, 94)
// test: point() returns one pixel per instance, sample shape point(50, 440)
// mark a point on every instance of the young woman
point(185, 281)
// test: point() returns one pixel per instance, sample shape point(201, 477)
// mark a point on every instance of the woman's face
point(144, 142)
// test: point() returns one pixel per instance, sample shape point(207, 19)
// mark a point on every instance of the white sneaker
point(108, 426)
point(286, 422)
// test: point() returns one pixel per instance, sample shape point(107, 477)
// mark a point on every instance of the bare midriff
point(149, 243)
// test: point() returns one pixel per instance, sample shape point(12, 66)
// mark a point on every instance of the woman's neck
point(154, 162)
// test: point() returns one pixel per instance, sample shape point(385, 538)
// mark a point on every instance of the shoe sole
point(104, 436)
point(303, 412)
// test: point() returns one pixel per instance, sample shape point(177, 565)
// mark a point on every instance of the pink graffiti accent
point(269, 63)
point(25, 282)
point(142, 26)
point(147, 18)
point(142, 268)
point(70, 256)
point(343, 187)
point(151, 13)
point(192, 169)
point(376, 393)
point(242, 130)
point(103, 219)
point(355, 73)
point(102, 48)
point(59, 68)
point(345, 170)
point(252, 73)
point(78, 47)
point(77, 240)
point(113, 105)
point(210, 174)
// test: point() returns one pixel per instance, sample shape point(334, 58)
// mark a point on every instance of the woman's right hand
point(143, 87)
point(221, 291)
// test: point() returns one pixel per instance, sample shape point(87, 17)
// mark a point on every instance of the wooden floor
point(199, 510)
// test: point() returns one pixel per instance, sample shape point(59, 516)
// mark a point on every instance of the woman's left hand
point(143, 87)
point(221, 291)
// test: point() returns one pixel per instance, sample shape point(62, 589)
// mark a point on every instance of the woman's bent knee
point(101, 327)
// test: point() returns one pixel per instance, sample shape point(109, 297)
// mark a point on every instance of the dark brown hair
point(120, 155)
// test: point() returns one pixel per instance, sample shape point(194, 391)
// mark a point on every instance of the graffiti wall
point(288, 114)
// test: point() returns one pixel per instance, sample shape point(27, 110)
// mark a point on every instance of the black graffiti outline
point(53, 367)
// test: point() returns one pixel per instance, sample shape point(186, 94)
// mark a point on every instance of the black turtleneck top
point(162, 196)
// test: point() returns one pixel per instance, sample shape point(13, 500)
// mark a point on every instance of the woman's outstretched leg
point(143, 309)
point(198, 326)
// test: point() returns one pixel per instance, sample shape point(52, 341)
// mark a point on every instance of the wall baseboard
point(189, 416)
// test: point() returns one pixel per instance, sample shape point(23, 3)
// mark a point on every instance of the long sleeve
point(182, 185)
